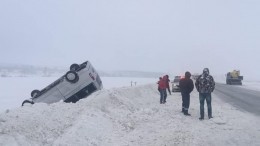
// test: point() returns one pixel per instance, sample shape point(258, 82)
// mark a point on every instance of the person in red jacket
point(162, 90)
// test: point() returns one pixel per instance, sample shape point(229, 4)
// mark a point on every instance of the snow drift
point(127, 116)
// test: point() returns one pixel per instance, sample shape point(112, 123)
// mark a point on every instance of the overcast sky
point(143, 35)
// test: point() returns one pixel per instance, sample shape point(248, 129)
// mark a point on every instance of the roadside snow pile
point(127, 116)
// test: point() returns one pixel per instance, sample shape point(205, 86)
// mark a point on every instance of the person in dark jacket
point(186, 86)
point(162, 90)
point(205, 85)
point(160, 78)
point(168, 84)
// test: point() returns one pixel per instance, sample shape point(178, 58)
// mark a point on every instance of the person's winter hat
point(205, 71)
point(187, 74)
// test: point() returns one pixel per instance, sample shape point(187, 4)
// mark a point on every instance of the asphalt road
point(244, 99)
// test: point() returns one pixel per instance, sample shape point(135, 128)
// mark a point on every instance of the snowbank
point(127, 116)
point(16, 89)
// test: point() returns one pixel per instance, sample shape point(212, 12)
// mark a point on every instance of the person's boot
point(201, 116)
point(210, 113)
point(186, 113)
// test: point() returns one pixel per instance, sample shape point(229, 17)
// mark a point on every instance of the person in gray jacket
point(205, 85)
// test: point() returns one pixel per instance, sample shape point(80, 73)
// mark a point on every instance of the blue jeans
point(206, 96)
point(163, 95)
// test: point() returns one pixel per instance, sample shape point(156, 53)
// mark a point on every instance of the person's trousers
point(163, 95)
point(169, 90)
point(206, 96)
point(185, 101)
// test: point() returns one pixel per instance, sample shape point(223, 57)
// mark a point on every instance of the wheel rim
point(74, 68)
point(71, 76)
point(34, 94)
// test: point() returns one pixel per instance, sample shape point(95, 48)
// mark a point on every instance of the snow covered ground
point(119, 115)
point(14, 90)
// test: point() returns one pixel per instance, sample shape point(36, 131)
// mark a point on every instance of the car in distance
point(79, 82)
point(175, 84)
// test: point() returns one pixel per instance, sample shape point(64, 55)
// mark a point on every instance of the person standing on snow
point(162, 90)
point(205, 85)
point(167, 84)
point(160, 78)
point(186, 87)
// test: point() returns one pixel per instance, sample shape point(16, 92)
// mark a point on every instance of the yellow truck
point(234, 78)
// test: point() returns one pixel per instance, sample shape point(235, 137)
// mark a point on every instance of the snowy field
point(119, 115)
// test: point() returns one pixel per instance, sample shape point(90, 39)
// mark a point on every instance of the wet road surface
point(244, 99)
